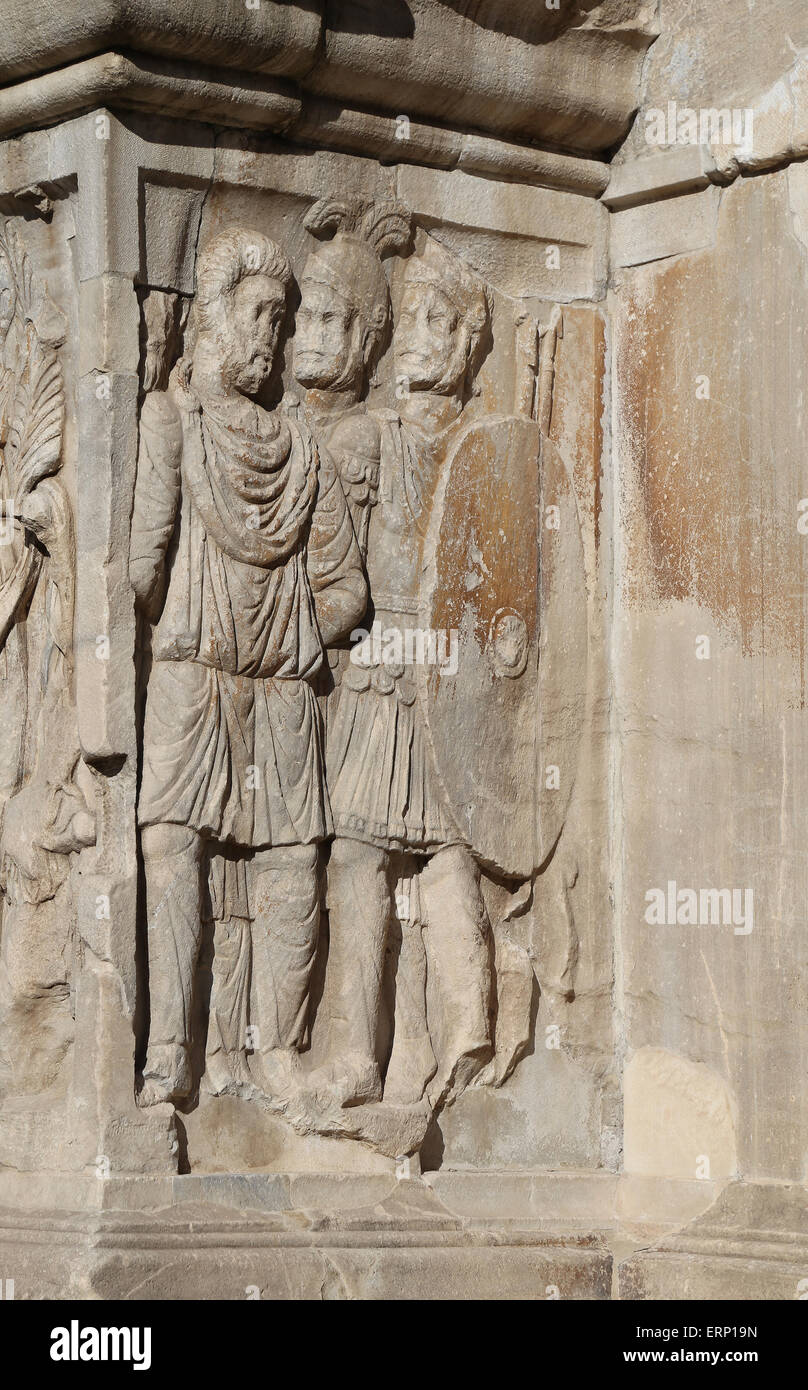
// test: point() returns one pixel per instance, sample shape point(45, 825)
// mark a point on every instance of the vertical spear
point(549, 335)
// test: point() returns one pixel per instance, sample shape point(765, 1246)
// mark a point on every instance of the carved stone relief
point(333, 592)
point(243, 548)
point(403, 598)
point(46, 790)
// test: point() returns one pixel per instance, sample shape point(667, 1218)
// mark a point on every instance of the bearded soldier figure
point(244, 555)
point(385, 788)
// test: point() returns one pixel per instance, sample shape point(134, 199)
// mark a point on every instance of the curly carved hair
point(228, 259)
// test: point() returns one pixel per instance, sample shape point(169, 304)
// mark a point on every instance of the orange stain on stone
point(712, 503)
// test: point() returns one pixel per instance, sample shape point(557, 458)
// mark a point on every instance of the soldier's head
point(443, 323)
point(344, 315)
point(242, 281)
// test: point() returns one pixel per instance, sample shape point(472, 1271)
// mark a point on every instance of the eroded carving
point(243, 551)
point(46, 791)
point(259, 533)
point(341, 328)
point(386, 790)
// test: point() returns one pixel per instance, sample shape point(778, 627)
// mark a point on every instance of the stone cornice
point(567, 78)
point(274, 106)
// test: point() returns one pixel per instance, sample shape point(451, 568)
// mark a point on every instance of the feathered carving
point(13, 251)
point(35, 432)
point(33, 304)
point(329, 215)
point(385, 224)
point(34, 444)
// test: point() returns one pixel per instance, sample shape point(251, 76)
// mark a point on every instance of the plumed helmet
point(350, 263)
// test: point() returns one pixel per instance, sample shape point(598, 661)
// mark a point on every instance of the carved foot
point(166, 1075)
point(447, 1086)
point(411, 1066)
point(352, 1080)
point(277, 1073)
point(226, 1073)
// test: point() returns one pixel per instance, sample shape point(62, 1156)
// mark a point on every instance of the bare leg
point(286, 923)
point(173, 858)
point(457, 940)
point(412, 1061)
point(226, 1067)
point(360, 905)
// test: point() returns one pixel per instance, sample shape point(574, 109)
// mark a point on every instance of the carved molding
point(525, 81)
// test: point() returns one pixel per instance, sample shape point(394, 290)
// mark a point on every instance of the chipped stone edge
point(780, 113)
point(680, 169)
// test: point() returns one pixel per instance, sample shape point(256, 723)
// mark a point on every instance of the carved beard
point(452, 380)
point(246, 370)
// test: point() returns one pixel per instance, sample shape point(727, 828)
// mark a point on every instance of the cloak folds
point(232, 738)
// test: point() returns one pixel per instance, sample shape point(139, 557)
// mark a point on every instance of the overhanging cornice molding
point(223, 97)
point(566, 78)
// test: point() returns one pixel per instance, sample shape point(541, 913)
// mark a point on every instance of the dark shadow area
point(528, 20)
point(201, 1001)
point(387, 19)
point(318, 975)
point(433, 1147)
point(183, 1161)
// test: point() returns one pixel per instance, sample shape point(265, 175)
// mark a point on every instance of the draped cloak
point(260, 545)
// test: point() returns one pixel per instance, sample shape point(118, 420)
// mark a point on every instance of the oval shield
point(503, 592)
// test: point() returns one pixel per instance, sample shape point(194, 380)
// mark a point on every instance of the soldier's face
point(248, 337)
point(428, 347)
point(327, 346)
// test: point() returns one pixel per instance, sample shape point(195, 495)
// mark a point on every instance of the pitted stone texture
point(570, 73)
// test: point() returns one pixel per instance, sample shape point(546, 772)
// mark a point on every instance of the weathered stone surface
point(751, 1244)
point(445, 63)
point(711, 486)
point(402, 613)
